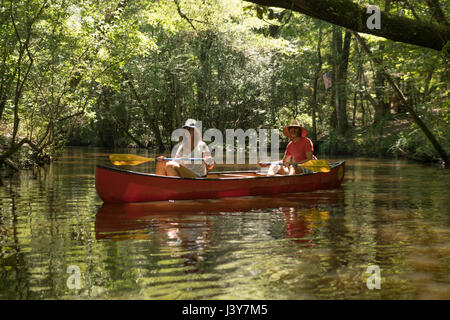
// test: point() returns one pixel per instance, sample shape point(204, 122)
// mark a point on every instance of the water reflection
point(188, 225)
point(301, 222)
point(308, 245)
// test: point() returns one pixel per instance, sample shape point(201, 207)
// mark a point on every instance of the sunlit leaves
point(140, 67)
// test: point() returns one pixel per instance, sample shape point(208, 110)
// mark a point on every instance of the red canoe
point(121, 186)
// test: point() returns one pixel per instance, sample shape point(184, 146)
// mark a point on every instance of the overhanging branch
point(353, 16)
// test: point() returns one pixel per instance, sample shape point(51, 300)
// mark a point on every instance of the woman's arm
point(208, 159)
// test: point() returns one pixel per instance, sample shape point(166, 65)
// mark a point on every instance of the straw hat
point(294, 123)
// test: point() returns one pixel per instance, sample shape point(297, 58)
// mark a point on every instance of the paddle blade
point(316, 165)
point(128, 159)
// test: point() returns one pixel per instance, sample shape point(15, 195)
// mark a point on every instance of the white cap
point(190, 123)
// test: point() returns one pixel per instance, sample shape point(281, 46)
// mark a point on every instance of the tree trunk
point(381, 109)
point(151, 120)
point(359, 79)
point(202, 77)
point(343, 90)
point(315, 87)
point(340, 65)
point(176, 101)
point(380, 106)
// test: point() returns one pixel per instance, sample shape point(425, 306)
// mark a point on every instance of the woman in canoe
point(192, 146)
point(300, 149)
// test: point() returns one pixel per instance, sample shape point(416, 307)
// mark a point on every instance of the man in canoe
point(299, 150)
point(192, 146)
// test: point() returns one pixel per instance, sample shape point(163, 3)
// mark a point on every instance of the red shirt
point(299, 148)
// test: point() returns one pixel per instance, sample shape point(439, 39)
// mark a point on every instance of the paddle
point(314, 165)
point(134, 160)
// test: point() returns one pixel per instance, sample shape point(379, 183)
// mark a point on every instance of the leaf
point(259, 12)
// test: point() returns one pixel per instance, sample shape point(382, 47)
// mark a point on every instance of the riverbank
point(396, 138)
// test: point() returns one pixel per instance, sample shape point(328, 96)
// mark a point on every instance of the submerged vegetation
point(123, 73)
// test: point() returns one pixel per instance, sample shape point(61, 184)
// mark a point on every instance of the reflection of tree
point(340, 240)
point(14, 269)
point(46, 218)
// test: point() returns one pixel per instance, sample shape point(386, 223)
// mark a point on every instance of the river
point(383, 235)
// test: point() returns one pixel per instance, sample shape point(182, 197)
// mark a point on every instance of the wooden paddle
point(134, 160)
point(314, 165)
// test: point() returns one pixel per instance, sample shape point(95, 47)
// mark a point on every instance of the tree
point(18, 23)
point(381, 107)
point(315, 86)
point(353, 16)
point(406, 102)
point(340, 56)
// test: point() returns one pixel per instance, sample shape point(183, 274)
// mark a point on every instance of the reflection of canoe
point(126, 219)
point(121, 186)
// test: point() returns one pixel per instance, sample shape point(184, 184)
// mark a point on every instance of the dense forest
point(122, 73)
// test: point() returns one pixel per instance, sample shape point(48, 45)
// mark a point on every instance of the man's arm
point(286, 159)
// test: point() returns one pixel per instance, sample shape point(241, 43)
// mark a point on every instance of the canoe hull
point(121, 186)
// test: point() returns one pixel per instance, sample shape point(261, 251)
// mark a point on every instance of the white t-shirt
point(201, 150)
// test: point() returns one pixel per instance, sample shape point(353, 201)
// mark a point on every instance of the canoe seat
point(236, 175)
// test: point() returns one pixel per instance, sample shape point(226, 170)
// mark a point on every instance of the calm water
point(390, 214)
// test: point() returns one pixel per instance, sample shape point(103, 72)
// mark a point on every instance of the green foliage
point(127, 73)
point(417, 146)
